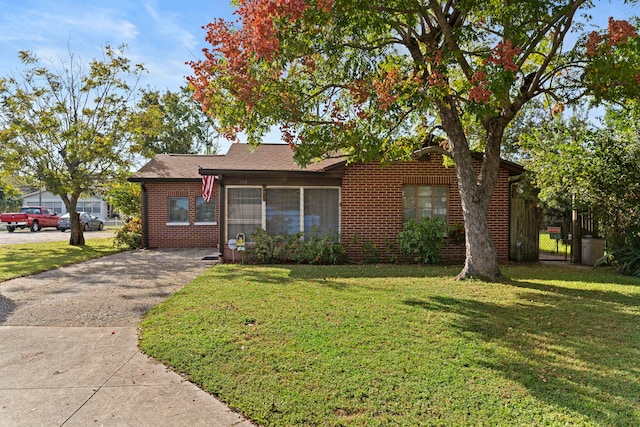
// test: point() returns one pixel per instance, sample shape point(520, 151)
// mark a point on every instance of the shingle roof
point(174, 166)
point(265, 158)
point(240, 157)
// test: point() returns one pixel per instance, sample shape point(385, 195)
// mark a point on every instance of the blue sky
point(161, 34)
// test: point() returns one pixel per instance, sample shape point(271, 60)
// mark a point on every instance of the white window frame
point(226, 208)
point(282, 187)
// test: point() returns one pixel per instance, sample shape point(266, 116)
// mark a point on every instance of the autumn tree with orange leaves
point(379, 79)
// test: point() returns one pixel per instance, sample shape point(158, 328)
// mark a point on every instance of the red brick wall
point(161, 235)
point(372, 205)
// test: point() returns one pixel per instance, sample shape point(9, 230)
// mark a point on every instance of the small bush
point(318, 250)
point(129, 236)
point(390, 248)
point(456, 233)
point(370, 253)
point(627, 257)
point(422, 241)
point(268, 249)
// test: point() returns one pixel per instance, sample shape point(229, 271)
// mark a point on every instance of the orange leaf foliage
point(236, 44)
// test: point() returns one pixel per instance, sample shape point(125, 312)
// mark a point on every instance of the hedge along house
point(263, 187)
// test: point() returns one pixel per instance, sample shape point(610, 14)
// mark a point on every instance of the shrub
point(390, 248)
point(455, 233)
point(422, 241)
point(268, 249)
point(129, 236)
point(318, 250)
point(370, 252)
point(628, 260)
point(626, 256)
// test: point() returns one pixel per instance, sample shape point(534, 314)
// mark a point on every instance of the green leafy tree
point(376, 80)
point(560, 152)
point(173, 123)
point(66, 125)
point(615, 183)
point(126, 198)
point(584, 167)
point(10, 199)
point(533, 115)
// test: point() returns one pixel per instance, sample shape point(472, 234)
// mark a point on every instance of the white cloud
point(166, 24)
point(99, 22)
point(39, 26)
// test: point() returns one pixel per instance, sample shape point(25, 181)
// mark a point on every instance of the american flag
point(207, 186)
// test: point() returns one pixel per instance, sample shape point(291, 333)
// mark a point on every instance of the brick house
point(264, 188)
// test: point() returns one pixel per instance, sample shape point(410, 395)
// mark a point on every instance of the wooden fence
point(523, 232)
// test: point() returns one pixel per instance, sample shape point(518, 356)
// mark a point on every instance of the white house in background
point(94, 205)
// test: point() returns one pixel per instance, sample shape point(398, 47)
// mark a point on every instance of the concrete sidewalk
point(60, 366)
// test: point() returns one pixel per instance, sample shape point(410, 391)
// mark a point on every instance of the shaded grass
point(30, 258)
point(405, 345)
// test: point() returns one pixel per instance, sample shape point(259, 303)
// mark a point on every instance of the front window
point(420, 201)
point(205, 211)
point(244, 211)
point(321, 211)
point(286, 211)
point(283, 211)
point(178, 209)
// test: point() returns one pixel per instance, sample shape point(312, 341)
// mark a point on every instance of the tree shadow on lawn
point(573, 349)
point(325, 274)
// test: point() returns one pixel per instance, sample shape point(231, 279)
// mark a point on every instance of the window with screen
point(420, 201)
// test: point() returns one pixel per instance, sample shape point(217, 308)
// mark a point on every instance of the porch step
point(215, 256)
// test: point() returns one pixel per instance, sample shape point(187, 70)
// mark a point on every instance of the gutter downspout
point(145, 223)
point(221, 227)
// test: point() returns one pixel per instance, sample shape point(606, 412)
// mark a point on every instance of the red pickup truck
point(33, 217)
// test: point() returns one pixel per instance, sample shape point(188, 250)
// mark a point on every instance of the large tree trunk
point(481, 259)
point(476, 188)
point(77, 234)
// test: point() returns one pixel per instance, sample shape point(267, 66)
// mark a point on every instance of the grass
point(549, 245)
point(406, 345)
point(26, 259)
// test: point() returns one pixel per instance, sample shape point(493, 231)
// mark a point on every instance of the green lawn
point(404, 345)
point(31, 258)
point(549, 245)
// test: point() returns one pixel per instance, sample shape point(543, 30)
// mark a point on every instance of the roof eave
point(270, 173)
point(163, 179)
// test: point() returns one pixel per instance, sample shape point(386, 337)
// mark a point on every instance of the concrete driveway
point(68, 346)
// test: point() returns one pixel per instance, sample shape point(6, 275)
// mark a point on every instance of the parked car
point(89, 222)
